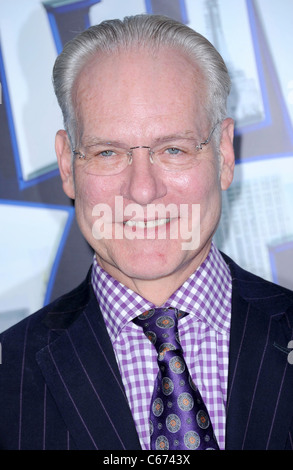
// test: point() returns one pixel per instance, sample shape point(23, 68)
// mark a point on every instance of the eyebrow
point(95, 141)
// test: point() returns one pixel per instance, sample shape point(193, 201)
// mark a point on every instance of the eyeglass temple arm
point(199, 146)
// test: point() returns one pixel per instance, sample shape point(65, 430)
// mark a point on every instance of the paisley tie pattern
point(179, 419)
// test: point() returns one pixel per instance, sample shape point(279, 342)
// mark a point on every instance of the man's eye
point(106, 153)
point(173, 151)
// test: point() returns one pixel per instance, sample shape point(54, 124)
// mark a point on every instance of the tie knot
point(160, 325)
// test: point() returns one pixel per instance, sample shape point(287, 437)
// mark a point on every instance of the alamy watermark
point(155, 222)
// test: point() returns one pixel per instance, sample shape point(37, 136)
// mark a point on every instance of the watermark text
point(153, 222)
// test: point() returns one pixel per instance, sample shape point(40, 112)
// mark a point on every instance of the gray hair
point(146, 31)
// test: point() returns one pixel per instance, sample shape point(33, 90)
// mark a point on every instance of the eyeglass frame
point(82, 156)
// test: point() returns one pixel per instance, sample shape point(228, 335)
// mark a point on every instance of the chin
point(150, 265)
point(145, 272)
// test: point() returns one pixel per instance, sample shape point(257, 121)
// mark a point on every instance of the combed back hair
point(143, 31)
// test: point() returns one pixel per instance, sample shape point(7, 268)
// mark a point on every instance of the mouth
point(146, 224)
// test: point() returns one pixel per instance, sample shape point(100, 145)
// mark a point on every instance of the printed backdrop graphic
point(43, 254)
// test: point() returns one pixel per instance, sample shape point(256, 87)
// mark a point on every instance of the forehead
point(140, 88)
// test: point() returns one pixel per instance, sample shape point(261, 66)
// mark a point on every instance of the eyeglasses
point(175, 155)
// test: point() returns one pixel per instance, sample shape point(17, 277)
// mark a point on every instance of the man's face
point(137, 99)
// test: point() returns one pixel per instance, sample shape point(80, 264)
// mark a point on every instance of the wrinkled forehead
point(139, 82)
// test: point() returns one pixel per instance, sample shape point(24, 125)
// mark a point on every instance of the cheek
point(91, 190)
point(85, 199)
point(196, 187)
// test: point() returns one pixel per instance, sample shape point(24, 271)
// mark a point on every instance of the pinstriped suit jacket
point(61, 389)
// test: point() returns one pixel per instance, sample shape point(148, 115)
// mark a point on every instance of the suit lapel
point(82, 375)
point(259, 408)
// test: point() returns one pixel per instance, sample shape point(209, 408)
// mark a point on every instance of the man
point(147, 141)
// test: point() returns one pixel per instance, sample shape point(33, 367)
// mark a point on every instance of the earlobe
point(64, 157)
point(227, 153)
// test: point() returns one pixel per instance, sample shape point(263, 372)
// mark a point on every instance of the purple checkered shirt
point(204, 336)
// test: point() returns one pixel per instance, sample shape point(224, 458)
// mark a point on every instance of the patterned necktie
point(179, 419)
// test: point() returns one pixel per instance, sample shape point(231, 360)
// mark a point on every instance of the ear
point(64, 157)
point(227, 154)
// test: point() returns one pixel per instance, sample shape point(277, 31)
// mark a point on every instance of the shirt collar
point(206, 295)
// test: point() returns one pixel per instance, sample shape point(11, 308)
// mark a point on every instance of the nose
point(143, 183)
